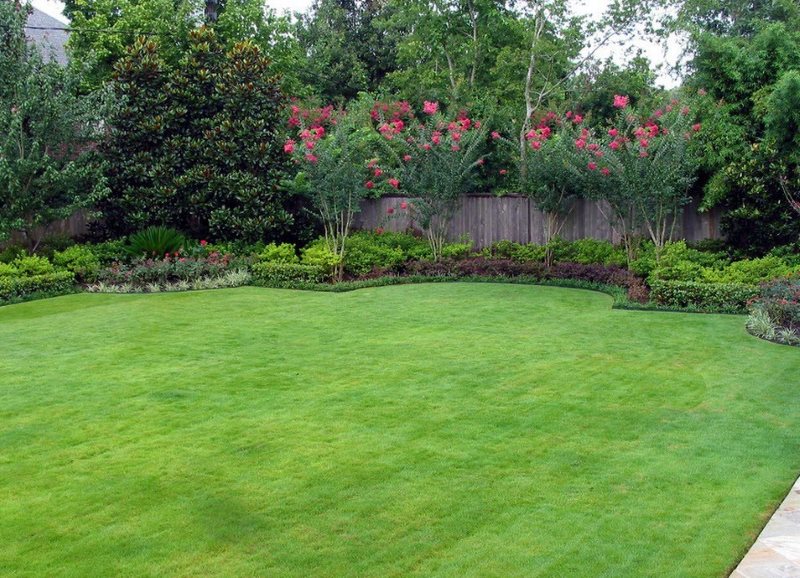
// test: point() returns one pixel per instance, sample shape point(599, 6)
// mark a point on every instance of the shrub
point(482, 267)
point(272, 274)
point(366, 252)
point(141, 272)
point(208, 133)
point(12, 252)
point(80, 260)
point(47, 284)
point(720, 297)
point(680, 263)
point(28, 266)
point(155, 242)
point(750, 271)
point(592, 251)
point(457, 250)
point(108, 252)
point(319, 255)
point(789, 254)
point(760, 324)
point(516, 251)
point(283, 253)
point(7, 270)
point(780, 298)
point(413, 246)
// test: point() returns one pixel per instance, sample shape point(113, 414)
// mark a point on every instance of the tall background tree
point(197, 146)
point(47, 169)
point(740, 50)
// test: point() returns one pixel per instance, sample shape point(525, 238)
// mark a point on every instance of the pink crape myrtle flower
point(394, 182)
point(289, 146)
point(621, 101)
point(430, 107)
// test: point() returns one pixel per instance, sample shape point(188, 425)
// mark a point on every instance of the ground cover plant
point(518, 431)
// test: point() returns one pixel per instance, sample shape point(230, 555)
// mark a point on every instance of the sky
point(655, 52)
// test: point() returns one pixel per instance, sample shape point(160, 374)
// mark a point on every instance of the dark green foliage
point(718, 297)
point(11, 252)
point(275, 274)
point(347, 50)
point(155, 242)
point(757, 215)
point(783, 116)
point(47, 169)
point(197, 146)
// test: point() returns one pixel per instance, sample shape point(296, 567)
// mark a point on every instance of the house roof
point(49, 34)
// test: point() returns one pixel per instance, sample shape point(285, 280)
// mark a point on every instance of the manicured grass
point(449, 429)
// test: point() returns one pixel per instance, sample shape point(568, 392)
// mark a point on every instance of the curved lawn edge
point(618, 294)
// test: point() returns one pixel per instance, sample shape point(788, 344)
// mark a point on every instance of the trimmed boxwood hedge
point(720, 297)
point(275, 274)
point(49, 284)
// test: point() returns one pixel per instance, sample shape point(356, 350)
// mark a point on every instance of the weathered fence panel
point(74, 226)
point(486, 219)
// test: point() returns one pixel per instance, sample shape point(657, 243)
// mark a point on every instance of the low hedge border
point(17, 289)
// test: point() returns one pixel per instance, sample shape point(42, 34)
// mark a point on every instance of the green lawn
point(446, 429)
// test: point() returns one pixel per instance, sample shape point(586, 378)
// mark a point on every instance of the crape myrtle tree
point(642, 167)
point(551, 172)
point(333, 151)
point(434, 159)
point(47, 166)
point(197, 146)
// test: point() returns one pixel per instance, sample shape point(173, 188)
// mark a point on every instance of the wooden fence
point(482, 218)
point(486, 219)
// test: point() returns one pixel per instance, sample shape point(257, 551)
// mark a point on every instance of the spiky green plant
point(155, 241)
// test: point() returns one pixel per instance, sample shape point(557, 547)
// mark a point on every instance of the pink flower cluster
point(391, 110)
point(311, 116)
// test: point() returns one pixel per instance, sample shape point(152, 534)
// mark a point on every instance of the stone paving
point(776, 553)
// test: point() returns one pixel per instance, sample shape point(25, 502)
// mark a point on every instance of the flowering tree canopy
point(434, 159)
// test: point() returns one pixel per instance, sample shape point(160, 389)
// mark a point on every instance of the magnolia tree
point(551, 173)
point(333, 150)
point(434, 160)
point(642, 168)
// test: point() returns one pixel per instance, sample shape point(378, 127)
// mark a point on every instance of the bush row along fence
point(486, 219)
point(483, 218)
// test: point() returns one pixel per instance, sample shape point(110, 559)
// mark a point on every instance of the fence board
point(486, 219)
